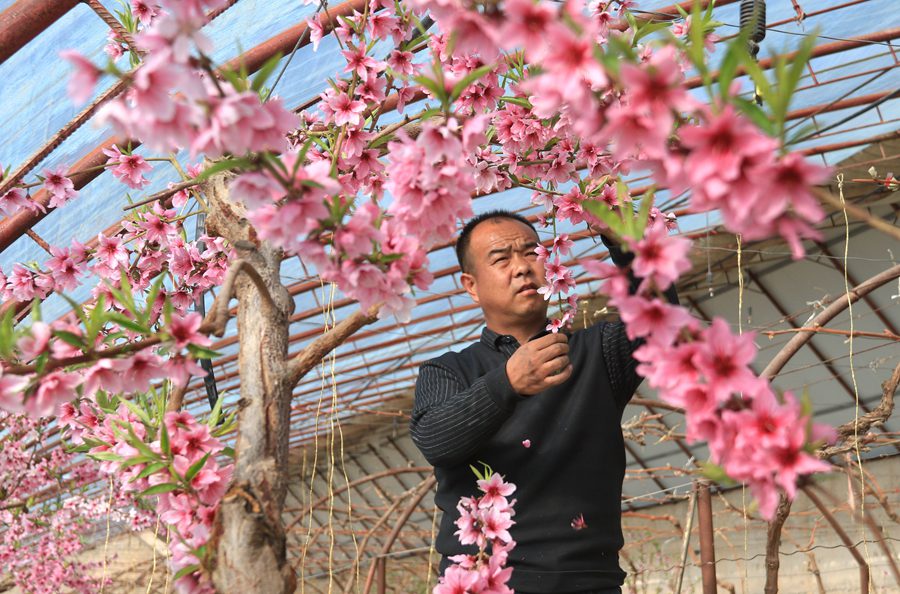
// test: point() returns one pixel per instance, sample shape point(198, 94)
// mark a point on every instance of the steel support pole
point(707, 541)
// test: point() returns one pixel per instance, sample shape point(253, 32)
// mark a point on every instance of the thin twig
point(837, 306)
point(885, 335)
point(164, 194)
point(863, 566)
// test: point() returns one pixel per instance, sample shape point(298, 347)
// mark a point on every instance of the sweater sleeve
point(617, 348)
point(451, 422)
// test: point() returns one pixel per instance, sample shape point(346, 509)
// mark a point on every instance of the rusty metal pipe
point(707, 541)
point(26, 19)
point(14, 227)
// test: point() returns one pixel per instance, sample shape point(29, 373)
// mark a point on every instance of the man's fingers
point(555, 365)
point(555, 380)
point(549, 340)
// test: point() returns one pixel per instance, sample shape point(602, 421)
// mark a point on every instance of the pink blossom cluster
point(47, 381)
point(757, 438)
point(559, 279)
point(54, 181)
point(733, 167)
point(639, 113)
point(128, 168)
point(178, 458)
point(41, 535)
point(172, 104)
point(484, 521)
point(150, 245)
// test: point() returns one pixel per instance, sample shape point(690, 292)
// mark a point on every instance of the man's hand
point(539, 364)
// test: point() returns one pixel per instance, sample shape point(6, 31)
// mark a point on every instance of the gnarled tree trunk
point(247, 551)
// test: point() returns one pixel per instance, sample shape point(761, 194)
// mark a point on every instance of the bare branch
point(885, 335)
point(313, 354)
point(851, 431)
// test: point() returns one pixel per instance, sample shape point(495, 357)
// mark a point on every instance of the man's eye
point(501, 259)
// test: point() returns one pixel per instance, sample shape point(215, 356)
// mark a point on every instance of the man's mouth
point(529, 289)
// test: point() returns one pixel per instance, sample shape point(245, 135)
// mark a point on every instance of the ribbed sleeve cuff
point(500, 390)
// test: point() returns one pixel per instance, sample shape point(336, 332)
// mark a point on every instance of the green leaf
point(134, 461)
point(186, 570)
point(216, 411)
point(150, 300)
point(164, 443)
point(76, 307)
point(757, 75)
point(104, 401)
point(126, 322)
point(135, 441)
point(195, 468)
point(7, 333)
point(644, 213)
point(728, 67)
point(789, 75)
point(467, 80)
point(477, 473)
point(105, 456)
point(602, 211)
point(150, 469)
point(648, 29)
point(125, 294)
point(158, 489)
point(432, 85)
point(265, 72)
point(140, 412)
point(234, 78)
point(224, 165)
point(716, 473)
point(95, 320)
point(200, 352)
point(755, 114)
point(520, 101)
point(69, 338)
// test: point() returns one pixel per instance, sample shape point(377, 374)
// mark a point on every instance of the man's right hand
point(539, 364)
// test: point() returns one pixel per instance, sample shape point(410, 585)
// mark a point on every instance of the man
point(564, 394)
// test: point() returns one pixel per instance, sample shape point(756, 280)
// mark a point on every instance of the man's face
point(504, 272)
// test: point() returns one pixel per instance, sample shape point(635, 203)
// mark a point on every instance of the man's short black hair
point(462, 243)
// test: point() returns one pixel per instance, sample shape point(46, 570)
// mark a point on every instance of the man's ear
point(470, 285)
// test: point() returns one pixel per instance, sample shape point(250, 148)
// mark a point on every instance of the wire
point(852, 116)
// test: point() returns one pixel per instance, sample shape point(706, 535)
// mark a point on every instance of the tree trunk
point(247, 551)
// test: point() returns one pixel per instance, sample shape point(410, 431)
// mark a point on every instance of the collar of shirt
point(495, 341)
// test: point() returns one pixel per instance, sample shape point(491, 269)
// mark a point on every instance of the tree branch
point(313, 354)
point(837, 306)
point(218, 316)
point(877, 416)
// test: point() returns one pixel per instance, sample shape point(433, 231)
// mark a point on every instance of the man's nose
point(521, 265)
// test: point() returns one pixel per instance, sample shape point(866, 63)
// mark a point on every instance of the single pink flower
point(660, 257)
point(59, 186)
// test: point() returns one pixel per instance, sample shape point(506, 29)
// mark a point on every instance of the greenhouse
point(446, 297)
